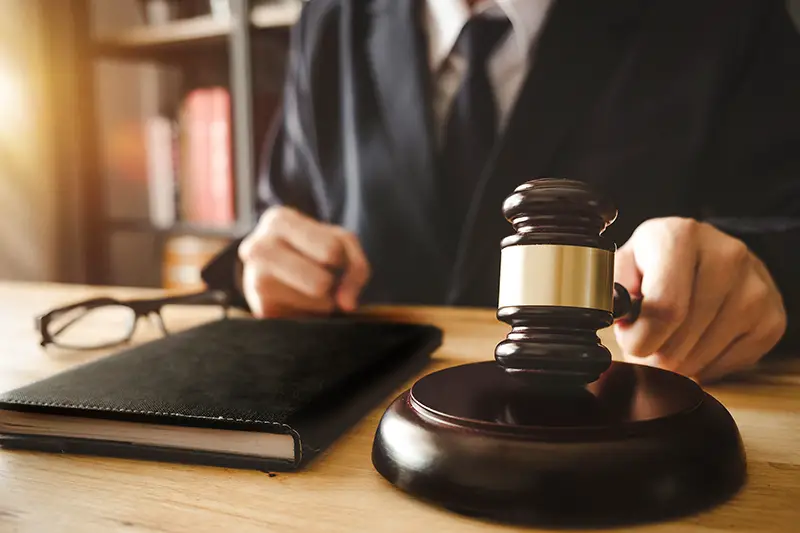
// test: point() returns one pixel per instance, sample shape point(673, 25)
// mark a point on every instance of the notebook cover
point(311, 378)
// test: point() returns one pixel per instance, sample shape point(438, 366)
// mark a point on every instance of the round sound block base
point(638, 445)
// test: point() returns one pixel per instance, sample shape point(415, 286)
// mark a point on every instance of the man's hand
point(710, 307)
point(290, 265)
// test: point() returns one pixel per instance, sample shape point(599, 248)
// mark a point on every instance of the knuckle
point(330, 252)
point(735, 251)
point(245, 249)
point(274, 217)
point(268, 217)
point(351, 237)
point(779, 325)
point(774, 327)
point(680, 229)
point(321, 285)
point(362, 264)
point(255, 245)
point(759, 293)
point(684, 228)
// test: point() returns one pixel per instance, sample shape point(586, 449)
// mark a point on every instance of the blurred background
point(130, 133)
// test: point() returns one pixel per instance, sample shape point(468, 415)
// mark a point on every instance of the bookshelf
point(184, 34)
point(203, 49)
point(148, 40)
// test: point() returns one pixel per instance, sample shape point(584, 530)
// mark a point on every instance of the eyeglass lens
point(92, 328)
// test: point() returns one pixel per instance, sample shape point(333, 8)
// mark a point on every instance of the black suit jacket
point(673, 108)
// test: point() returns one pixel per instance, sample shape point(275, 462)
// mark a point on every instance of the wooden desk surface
point(340, 492)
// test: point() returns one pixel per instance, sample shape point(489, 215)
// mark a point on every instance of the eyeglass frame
point(141, 307)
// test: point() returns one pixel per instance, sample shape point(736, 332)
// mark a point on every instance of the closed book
point(239, 392)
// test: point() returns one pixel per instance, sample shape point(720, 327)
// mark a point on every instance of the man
point(407, 122)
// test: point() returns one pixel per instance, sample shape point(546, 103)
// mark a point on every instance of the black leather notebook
point(238, 393)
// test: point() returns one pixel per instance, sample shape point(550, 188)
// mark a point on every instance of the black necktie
point(471, 126)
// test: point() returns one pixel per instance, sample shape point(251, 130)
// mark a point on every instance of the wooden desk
point(340, 492)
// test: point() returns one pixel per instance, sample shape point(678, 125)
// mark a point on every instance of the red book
point(220, 201)
point(195, 147)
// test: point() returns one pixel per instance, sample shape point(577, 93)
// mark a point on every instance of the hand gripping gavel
point(553, 431)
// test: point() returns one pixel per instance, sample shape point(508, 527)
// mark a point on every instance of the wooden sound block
point(638, 445)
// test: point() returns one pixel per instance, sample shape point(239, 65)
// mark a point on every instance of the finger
point(268, 296)
point(742, 354)
point(287, 265)
point(743, 311)
point(666, 254)
point(356, 272)
point(626, 272)
point(734, 358)
point(721, 264)
point(766, 276)
point(746, 352)
point(316, 240)
point(330, 246)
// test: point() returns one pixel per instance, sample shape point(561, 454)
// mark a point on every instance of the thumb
point(356, 271)
point(627, 272)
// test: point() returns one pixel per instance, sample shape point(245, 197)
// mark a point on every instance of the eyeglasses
point(105, 322)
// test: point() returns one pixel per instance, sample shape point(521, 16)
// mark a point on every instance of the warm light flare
point(13, 104)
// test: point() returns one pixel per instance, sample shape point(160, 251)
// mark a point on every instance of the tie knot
point(479, 37)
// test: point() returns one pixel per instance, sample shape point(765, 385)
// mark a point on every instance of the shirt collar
point(445, 18)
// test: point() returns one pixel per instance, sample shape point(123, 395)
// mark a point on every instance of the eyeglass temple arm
point(207, 297)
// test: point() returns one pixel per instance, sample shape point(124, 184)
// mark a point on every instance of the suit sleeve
point(752, 178)
point(289, 172)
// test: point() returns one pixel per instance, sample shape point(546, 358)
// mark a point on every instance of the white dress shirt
point(508, 64)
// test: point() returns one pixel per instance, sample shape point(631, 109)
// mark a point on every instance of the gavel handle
point(626, 309)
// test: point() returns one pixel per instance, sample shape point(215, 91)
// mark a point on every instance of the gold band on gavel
point(556, 275)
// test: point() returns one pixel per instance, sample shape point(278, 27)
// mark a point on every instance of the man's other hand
point(293, 264)
point(710, 307)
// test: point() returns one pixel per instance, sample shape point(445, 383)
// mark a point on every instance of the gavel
point(557, 284)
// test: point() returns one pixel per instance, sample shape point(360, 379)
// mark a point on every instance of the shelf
point(159, 38)
point(188, 34)
point(180, 228)
point(280, 15)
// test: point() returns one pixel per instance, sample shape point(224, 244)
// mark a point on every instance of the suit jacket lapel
point(576, 54)
point(397, 53)
point(579, 48)
point(403, 175)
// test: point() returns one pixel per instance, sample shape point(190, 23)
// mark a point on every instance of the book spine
point(207, 186)
point(195, 156)
point(160, 170)
point(220, 186)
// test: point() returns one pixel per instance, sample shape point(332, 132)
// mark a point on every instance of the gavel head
point(557, 283)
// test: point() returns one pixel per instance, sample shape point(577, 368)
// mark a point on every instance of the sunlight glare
point(12, 99)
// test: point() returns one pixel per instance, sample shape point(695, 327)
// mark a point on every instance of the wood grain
point(340, 492)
